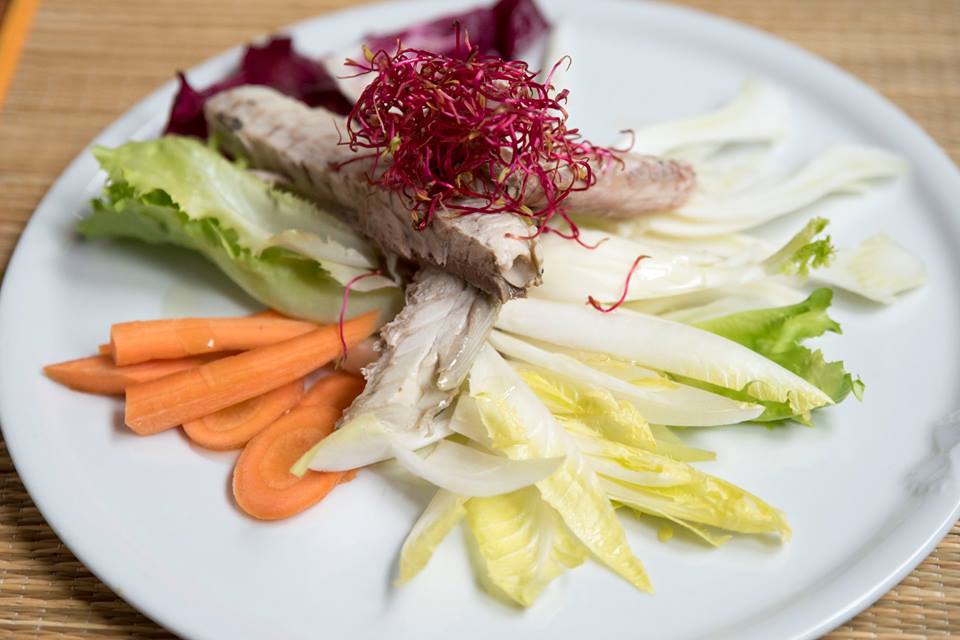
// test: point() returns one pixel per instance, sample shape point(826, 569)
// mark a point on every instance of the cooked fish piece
point(425, 353)
point(281, 135)
point(640, 184)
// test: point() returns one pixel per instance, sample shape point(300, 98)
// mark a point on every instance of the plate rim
point(143, 115)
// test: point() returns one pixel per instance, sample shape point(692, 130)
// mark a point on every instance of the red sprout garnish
point(629, 147)
point(623, 296)
point(469, 134)
point(343, 307)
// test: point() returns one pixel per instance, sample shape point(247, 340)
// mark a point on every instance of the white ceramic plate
point(153, 516)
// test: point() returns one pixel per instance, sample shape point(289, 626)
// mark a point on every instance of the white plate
point(153, 517)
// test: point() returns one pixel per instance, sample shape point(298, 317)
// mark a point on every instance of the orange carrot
point(134, 342)
point(98, 374)
point(262, 483)
point(188, 395)
point(231, 428)
point(105, 350)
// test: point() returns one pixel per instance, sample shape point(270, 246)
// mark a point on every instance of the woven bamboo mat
point(87, 61)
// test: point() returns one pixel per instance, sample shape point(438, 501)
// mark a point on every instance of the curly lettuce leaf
point(778, 333)
point(804, 251)
point(147, 209)
point(204, 184)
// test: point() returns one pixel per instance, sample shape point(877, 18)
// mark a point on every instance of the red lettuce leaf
point(504, 30)
point(276, 65)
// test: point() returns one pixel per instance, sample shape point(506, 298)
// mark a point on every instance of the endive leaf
point(522, 542)
point(877, 269)
point(658, 400)
point(839, 169)
point(442, 514)
point(663, 345)
point(522, 428)
point(466, 471)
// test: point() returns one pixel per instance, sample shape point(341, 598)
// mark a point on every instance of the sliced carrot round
point(262, 483)
point(231, 428)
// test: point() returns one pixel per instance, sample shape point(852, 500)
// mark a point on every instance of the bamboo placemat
point(88, 61)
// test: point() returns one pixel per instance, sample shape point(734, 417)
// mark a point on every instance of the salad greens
point(567, 413)
point(670, 347)
point(757, 114)
point(655, 397)
point(468, 471)
point(777, 334)
point(878, 269)
point(275, 64)
point(840, 169)
point(442, 514)
point(281, 250)
point(523, 543)
point(573, 275)
point(520, 427)
point(527, 537)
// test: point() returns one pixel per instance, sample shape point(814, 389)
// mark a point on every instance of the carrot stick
point(105, 350)
point(231, 428)
point(98, 374)
point(134, 342)
point(262, 483)
point(188, 395)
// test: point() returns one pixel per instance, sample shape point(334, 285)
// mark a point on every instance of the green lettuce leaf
point(269, 263)
point(205, 185)
point(777, 334)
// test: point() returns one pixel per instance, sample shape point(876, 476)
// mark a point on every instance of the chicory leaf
point(505, 29)
point(442, 514)
point(274, 64)
point(522, 542)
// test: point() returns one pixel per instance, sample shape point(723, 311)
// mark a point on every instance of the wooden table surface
point(88, 61)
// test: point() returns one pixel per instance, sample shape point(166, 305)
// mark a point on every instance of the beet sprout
point(623, 296)
point(343, 306)
point(469, 134)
